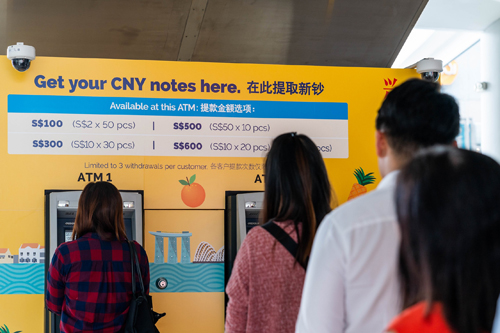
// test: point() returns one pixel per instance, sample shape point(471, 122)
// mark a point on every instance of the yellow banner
point(51, 142)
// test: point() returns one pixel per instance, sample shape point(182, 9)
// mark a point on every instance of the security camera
point(430, 69)
point(21, 56)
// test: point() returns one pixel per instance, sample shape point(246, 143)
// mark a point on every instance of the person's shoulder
point(376, 206)
point(138, 246)
point(256, 233)
point(258, 237)
point(67, 252)
point(63, 249)
point(139, 249)
point(71, 246)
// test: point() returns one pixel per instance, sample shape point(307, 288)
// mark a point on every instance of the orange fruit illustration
point(363, 180)
point(192, 194)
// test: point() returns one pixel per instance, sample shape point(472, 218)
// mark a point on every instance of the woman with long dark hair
point(267, 279)
point(448, 206)
point(89, 279)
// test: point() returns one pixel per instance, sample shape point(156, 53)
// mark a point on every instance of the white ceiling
point(459, 14)
point(446, 28)
point(444, 45)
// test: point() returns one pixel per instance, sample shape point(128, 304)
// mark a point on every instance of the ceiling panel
point(320, 32)
point(98, 29)
point(313, 32)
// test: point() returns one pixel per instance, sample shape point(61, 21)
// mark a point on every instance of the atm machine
point(241, 214)
point(60, 213)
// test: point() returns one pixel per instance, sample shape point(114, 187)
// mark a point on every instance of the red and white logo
point(389, 85)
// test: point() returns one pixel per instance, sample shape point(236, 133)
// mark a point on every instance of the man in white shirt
point(351, 283)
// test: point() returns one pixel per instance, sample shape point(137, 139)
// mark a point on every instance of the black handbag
point(141, 317)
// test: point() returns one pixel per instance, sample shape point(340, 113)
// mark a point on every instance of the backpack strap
point(284, 238)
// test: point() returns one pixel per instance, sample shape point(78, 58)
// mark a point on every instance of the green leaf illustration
point(183, 182)
point(5, 329)
point(192, 179)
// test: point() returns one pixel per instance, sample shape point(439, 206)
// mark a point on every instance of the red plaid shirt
point(89, 283)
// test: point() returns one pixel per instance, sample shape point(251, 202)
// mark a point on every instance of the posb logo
point(389, 84)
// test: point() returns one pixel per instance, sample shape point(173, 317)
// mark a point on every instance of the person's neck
point(392, 163)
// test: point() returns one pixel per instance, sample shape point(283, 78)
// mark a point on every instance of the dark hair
point(417, 115)
point(448, 207)
point(100, 209)
point(297, 187)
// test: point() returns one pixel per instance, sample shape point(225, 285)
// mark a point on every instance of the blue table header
point(175, 107)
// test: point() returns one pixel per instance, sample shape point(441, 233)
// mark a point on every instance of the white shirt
point(351, 282)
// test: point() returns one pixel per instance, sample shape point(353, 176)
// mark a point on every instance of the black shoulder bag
point(141, 317)
point(284, 238)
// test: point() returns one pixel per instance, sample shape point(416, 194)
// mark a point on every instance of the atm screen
point(67, 228)
point(251, 222)
point(128, 227)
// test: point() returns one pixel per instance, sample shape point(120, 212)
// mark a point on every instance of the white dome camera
point(430, 69)
point(21, 56)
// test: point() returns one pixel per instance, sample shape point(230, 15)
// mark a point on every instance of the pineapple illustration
point(363, 180)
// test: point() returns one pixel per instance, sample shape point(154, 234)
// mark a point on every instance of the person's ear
point(454, 143)
point(381, 144)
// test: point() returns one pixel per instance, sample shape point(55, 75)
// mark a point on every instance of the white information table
point(73, 125)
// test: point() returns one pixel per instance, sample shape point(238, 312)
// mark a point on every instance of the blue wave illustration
point(188, 278)
point(30, 278)
point(21, 279)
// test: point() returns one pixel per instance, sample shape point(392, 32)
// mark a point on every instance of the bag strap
point(131, 248)
point(134, 261)
point(284, 238)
